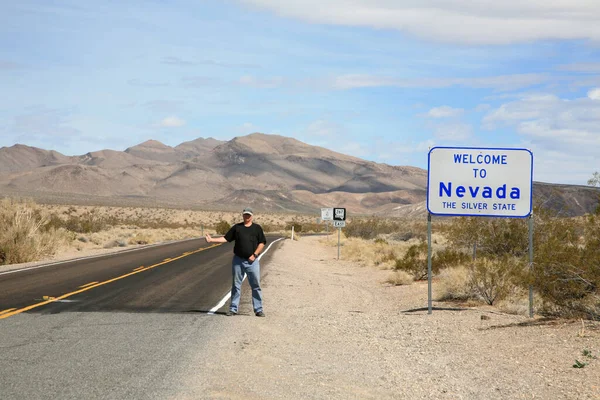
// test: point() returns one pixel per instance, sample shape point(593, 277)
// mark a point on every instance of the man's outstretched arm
point(210, 239)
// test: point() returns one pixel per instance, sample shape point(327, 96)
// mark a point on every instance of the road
point(116, 326)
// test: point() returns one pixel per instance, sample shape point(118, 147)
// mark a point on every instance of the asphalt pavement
point(113, 327)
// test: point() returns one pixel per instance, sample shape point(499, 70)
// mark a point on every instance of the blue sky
point(383, 80)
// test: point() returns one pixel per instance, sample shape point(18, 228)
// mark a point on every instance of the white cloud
point(453, 133)
point(261, 83)
point(353, 148)
point(458, 21)
point(148, 84)
point(482, 107)
point(587, 68)
point(160, 106)
point(247, 128)
point(594, 94)
point(322, 128)
point(500, 82)
point(172, 122)
point(553, 126)
point(444, 112)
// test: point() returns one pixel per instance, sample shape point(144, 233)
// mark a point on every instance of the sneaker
point(260, 314)
point(230, 313)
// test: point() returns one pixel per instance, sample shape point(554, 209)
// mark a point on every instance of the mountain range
point(268, 172)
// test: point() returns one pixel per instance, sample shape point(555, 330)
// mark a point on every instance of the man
point(249, 243)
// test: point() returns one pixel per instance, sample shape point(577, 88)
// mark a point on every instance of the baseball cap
point(247, 210)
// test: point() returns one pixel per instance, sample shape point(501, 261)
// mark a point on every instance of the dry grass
point(164, 217)
point(398, 278)
point(23, 236)
point(96, 229)
point(453, 284)
point(370, 253)
point(288, 235)
point(127, 236)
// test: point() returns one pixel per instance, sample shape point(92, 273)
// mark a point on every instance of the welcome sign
point(487, 182)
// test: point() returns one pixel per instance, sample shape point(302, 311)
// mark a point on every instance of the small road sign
point(326, 214)
point(339, 224)
point(339, 214)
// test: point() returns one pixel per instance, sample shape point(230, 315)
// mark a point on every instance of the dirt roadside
point(334, 331)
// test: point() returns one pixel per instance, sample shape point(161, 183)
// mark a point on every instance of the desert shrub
point(372, 227)
point(268, 228)
point(312, 227)
point(493, 279)
point(414, 260)
point(566, 271)
point(398, 278)
point(449, 258)
point(222, 227)
point(365, 229)
point(494, 236)
point(88, 222)
point(115, 243)
point(406, 236)
point(93, 221)
point(454, 285)
point(23, 237)
point(140, 238)
point(271, 227)
point(288, 234)
point(296, 225)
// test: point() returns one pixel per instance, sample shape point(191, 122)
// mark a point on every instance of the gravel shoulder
point(335, 331)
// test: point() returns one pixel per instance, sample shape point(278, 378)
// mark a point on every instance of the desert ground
point(338, 329)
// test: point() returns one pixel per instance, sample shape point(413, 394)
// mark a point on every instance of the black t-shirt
point(246, 238)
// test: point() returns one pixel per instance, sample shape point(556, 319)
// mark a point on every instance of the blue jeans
point(239, 267)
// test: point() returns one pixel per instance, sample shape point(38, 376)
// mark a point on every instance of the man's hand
point(252, 258)
point(208, 238)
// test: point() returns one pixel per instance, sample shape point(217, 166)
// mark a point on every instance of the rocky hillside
point(269, 172)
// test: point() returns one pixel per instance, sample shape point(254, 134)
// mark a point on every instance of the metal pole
point(474, 250)
point(339, 235)
point(531, 264)
point(202, 230)
point(429, 263)
point(292, 233)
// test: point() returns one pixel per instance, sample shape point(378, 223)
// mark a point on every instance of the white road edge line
point(228, 295)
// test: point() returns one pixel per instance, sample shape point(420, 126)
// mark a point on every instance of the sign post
point(339, 221)
point(479, 182)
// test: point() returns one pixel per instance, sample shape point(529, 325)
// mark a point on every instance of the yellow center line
point(139, 268)
point(88, 284)
point(7, 311)
point(10, 313)
point(167, 259)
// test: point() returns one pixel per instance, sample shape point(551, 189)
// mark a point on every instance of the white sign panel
point(339, 224)
point(490, 182)
point(326, 214)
